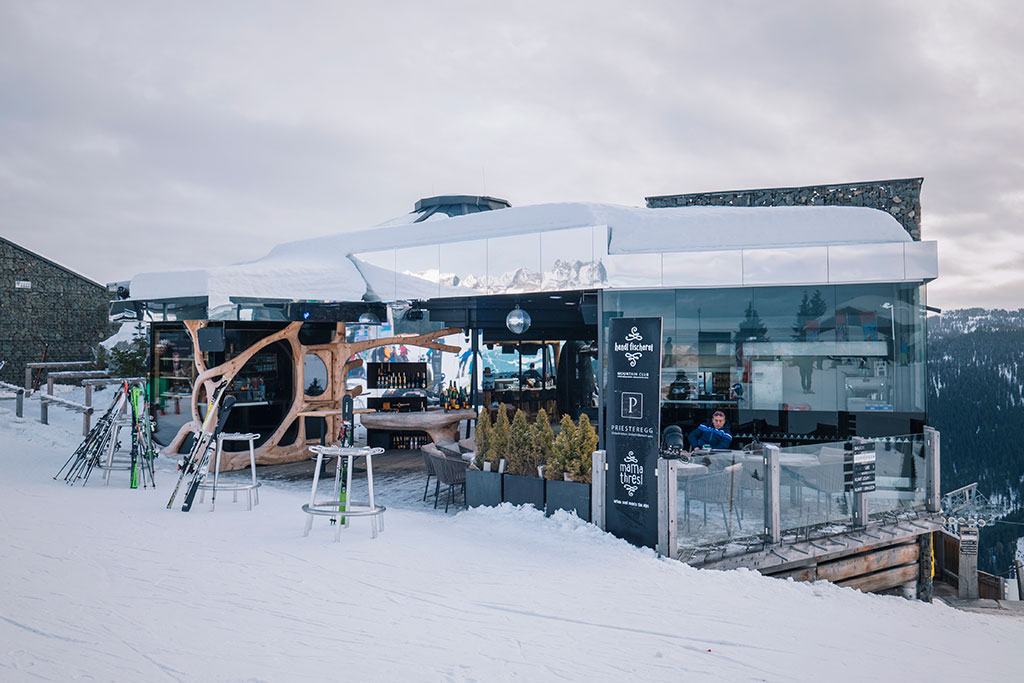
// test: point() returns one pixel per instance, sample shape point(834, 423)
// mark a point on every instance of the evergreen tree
point(499, 438)
point(585, 441)
point(544, 440)
point(751, 328)
point(522, 459)
point(482, 438)
point(811, 308)
point(563, 449)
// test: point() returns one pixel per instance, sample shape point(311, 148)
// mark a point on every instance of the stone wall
point(60, 311)
point(901, 198)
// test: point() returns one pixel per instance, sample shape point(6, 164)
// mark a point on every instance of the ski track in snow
point(103, 583)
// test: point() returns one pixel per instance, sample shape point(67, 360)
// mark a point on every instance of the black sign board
point(632, 429)
point(859, 467)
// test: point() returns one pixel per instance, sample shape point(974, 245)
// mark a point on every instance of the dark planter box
point(568, 495)
point(483, 488)
point(523, 491)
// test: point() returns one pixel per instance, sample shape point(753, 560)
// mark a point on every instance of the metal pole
point(19, 403)
point(932, 444)
point(88, 414)
point(772, 501)
point(668, 506)
point(1020, 578)
point(43, 416)
point(598, 475)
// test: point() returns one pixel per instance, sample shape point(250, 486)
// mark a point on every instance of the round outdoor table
point(334, 508)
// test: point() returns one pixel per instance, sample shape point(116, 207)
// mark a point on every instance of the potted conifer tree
point(522, 484)
point(483, 486)
point(568, 469)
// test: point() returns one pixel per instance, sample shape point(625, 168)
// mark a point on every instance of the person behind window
point(716, 436)
point(531, 376)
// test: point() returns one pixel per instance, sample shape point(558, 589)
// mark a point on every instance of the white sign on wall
point(22, 284)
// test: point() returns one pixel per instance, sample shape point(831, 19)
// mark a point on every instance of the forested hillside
point(976, 400)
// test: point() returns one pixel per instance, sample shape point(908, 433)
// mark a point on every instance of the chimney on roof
point(456, 205)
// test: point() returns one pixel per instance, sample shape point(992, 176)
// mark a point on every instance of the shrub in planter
point(525, 452)
point(559, 462)
point(499, 438)
point(568, 469)
point(482, 436)
point(584, 443)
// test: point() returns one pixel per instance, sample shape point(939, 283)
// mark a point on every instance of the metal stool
point(334, 508)
point(251, 489)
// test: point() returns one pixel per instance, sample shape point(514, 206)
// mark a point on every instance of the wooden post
point(86, 414)
point(772, 501)
point(668, 507)
point(926, 564)
point(28, 378)
point(598, 477)
point(49, 385)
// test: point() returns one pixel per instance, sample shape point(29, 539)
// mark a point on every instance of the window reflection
point(315, 373)
point(789, 363)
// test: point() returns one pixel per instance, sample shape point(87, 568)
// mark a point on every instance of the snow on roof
point(324, 268)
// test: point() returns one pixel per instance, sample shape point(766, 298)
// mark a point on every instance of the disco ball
point(517, 321)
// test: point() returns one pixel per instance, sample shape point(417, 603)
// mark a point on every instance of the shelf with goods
point(396, 441)
point(398, 375)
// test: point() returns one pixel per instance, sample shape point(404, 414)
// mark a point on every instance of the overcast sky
point(138, 136)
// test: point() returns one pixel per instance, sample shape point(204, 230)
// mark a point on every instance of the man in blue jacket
point(715, 436)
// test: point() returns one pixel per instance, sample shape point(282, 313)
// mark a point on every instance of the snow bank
point(105, 583)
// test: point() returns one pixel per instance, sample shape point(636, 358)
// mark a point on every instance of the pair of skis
point(197, 461)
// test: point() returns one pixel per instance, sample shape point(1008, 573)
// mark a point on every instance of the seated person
point(715, 436)
point(531, 376)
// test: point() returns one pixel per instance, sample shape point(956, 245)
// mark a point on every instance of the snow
point(125, 334)
point(105, 583)
point(319, 268)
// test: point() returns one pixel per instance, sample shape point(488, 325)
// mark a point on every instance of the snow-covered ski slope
point(104, 583)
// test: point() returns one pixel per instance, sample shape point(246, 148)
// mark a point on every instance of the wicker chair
point(717, 489)
point(428, 464)
point(451, 473)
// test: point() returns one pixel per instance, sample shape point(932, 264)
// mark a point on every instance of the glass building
point(801, 323)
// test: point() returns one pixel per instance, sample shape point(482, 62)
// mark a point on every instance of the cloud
point(139, 136)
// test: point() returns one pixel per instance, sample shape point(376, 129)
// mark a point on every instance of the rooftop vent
point(456, 205)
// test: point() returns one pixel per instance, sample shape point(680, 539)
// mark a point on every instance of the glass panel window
point(315, 374)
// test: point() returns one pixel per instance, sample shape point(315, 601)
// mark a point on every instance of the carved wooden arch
point(340, 353)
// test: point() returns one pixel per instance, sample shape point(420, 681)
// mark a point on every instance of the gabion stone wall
point(44, 305)
point(901, 198)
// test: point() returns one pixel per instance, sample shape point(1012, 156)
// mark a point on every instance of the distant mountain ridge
point(963, 320)
point(976, 401)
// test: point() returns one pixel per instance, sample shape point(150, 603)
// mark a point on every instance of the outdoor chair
point(826, 478)
point(716, 489)
point(428, 463)
point(452, 473)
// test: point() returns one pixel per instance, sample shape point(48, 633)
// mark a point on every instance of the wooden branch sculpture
point(338, 356)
